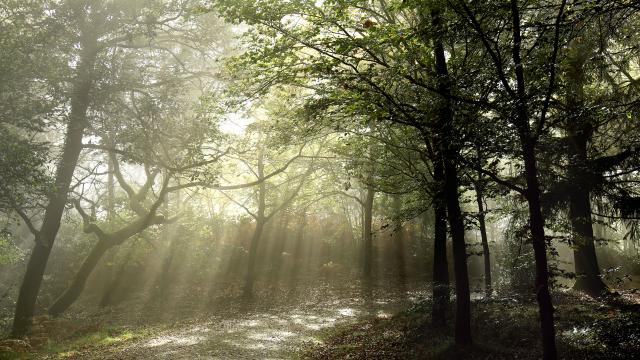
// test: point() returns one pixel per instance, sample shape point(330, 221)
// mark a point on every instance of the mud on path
point(259, 331)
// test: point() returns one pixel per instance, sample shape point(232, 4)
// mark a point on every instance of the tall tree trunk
point(483, 236)
point(399, 244)
point(448, 150)
point(257, 234)
point(536, 222)
point(367, 221)
point(580, 131)
point(586, 262)
point(253, 255)
point(536, 219)
point(108, 269)
point(73, 291)
point(367, 234)
point(463, 296)
point(440, 264)
point(80, 99)
point(111, 193)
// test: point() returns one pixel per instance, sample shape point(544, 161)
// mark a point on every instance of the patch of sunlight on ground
point(347, 312)
point(578, 332)
point(277, 333)
point(312, 322)
point(249, 323)
point(178, 340)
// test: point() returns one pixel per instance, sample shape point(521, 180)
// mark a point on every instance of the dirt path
point(275, 333)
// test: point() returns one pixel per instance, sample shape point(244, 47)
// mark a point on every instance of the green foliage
point(93, 341)
point(23, 178)
point(515, 263)
point(9, 253)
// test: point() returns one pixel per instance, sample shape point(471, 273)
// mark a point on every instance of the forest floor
point(283, 327)
point(329, 322)
point(503, 328)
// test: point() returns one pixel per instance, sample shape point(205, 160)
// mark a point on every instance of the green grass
point(103, 338)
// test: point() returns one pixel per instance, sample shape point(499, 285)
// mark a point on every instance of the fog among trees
point(319, 179)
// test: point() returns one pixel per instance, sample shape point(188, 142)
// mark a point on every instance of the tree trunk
point(586, 262)
point(536, 220)
point(108, 269)
point(111, 193)
point(448, 150)
point(80, 99)
point(257, 234)
point(73, 291)
point(253, 255)
point(440, 264)
point(463, 296)
point(367, 235)
point(399, 245)
point(367, 221)
point(483, 235)
point(580, 131)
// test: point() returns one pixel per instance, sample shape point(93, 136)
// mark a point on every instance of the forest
point(319, 179)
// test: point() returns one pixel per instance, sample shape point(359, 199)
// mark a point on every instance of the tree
point(81, 87)
point(91, 32)
point(528, 119)
point(109, 239)
point(362, 66)
point(265, 207)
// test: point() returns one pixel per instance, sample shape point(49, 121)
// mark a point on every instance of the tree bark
point(253, 255)
point(586, 262)
point(536, 222)
point(440, 264)
point(25, 305)
point(447, 148)
point(483, 236)
point(536, 219)
point(399, 244)
point(367, 211)
point(257, 234)
point(367, 234)
point(463, 296)
point(580, 131)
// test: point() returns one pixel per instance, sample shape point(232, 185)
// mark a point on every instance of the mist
point(185, 179)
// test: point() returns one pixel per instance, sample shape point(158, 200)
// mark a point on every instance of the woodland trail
point(275, 332)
